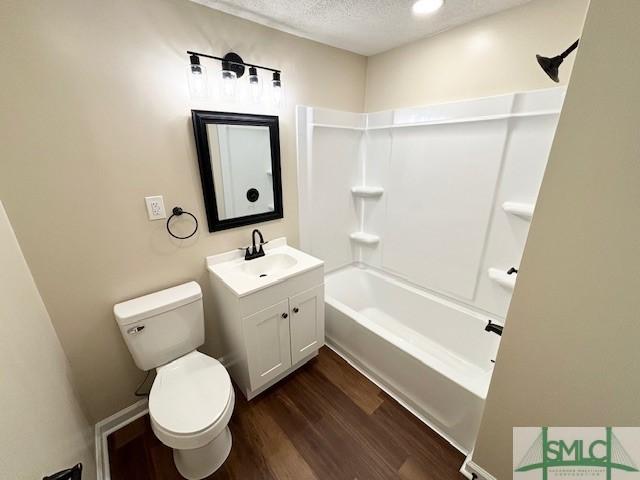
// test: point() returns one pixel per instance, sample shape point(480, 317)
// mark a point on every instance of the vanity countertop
point(244, 277)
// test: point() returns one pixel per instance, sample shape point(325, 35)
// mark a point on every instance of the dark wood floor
point(325, 421)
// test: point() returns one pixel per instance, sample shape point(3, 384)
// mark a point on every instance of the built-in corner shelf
point(365, 238)
point(524, 210)
point(338, 127)
point(367, 192)
point(502, 278)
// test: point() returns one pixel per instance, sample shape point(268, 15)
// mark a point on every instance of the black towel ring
point(177, 211)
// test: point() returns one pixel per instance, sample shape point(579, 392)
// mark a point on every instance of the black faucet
point(512, 270)
point(253, 252)
point(493, 327)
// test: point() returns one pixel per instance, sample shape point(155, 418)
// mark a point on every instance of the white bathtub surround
point(453, 183)
point(412, 317)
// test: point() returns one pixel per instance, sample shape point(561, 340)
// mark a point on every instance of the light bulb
point(255, 87)
point(228, 81)
point(197, 78)
point(276, 89)
point(425, 7)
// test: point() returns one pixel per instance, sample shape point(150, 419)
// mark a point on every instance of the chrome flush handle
point(135, 330)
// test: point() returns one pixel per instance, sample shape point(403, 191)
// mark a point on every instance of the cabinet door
point(307, 322)
point(267, 339)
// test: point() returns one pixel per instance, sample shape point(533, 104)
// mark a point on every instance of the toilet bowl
point(191, 399)
point(190, 405)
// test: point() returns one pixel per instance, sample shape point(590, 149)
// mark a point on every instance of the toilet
point(192, 399)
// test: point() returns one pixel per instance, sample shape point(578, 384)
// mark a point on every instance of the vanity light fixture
point(425, 7)
point(197, 75)
point(233, 68)
point(551, 65)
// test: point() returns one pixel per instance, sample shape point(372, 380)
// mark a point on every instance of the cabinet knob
point(285, 315)
point(296, 310)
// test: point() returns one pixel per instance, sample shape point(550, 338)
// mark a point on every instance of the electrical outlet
point(155, 207)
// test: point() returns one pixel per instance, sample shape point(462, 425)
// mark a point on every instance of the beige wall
point(42, 428)
point(569, 355)
point(491, 56)
point(95, 116)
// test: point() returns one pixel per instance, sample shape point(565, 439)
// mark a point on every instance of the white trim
point(447, 121)
point(338, 127)
point(464, 470)
point(390, 391)
point(479, 471)
point(106, 427)
point(480, 118)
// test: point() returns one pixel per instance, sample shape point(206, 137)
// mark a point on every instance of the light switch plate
point(155, 207)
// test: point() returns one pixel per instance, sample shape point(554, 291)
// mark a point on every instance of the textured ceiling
point(362, 26)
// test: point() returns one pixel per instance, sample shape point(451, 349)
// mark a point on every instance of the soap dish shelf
point(367, 192)
point(365, 238)
point(524, 210)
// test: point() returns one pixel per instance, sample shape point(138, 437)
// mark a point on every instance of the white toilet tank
point(162, 326)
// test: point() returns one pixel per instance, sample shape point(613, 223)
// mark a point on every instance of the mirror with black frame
point(239, 158)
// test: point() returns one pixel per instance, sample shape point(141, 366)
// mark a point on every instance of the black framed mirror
point(239, 158)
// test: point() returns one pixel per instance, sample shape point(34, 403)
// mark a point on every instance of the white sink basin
point(270, 264)
point(247, 276)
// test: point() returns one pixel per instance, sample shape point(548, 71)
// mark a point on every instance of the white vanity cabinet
point(267, 325)
point(283, 335)
point(268, 343)
point(306, 322)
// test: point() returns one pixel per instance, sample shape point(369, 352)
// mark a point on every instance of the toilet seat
point(191, 401)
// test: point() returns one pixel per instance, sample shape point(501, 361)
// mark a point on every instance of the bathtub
point(431, 354)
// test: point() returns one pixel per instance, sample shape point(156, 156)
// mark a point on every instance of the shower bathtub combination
point(421, 216)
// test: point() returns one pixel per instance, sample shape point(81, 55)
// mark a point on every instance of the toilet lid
point(189, 394)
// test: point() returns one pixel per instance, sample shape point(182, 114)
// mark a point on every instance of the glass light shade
point(276, 89)
point(228, 83)
point(255, 86)
point(197, 78)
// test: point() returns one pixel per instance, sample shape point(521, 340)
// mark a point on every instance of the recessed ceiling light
point(425, 7)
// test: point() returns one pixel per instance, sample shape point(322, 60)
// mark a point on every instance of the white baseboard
point(390, 391)
point(464, 470)
point(109, 425)
point(479, 471)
